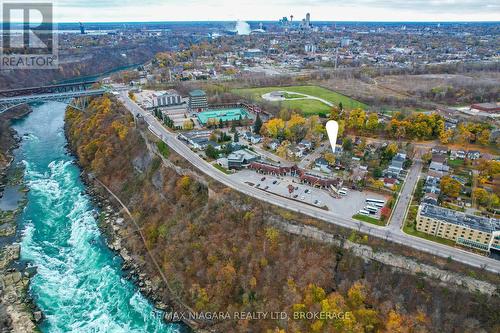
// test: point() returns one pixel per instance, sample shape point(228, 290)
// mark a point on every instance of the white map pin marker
point(332, 129)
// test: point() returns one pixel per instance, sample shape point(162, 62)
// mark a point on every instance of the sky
point(272, 10)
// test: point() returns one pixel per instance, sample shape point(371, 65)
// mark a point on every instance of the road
point(268, 97)
point(390, 234)
point(405, 197)
point(310, 158)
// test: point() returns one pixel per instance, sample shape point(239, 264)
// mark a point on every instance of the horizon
point(265, 21)
point(114, 11)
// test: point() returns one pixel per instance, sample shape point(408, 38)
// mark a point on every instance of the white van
point(342, 192)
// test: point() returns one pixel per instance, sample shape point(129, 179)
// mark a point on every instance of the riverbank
point(17, 311)
point(111, 222)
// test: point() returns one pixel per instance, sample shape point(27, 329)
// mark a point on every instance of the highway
point(391, 233)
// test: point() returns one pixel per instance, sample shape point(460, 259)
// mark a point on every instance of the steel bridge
point(76, 94)
point(57, 88)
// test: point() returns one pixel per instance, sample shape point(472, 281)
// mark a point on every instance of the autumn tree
point(450, 187)
point(274, 128)
point(330, 158)
point(372, 122)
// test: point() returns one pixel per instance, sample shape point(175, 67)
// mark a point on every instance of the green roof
point(197, 93)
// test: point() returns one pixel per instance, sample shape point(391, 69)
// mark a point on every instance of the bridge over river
point(76, 92)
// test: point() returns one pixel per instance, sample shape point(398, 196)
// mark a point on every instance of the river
point(79, 284)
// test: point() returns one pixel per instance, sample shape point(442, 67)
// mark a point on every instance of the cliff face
point(216, 250)
point(81, 63)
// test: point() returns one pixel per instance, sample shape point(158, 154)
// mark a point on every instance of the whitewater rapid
point(79, 285)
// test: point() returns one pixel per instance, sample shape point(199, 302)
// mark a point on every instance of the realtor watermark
point(28, 36)
point(223, 316)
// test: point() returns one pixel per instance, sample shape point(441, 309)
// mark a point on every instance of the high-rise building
point(198, 100)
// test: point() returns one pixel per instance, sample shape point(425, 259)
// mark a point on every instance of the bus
point(375, 201)
point(378, 205)
point(364, 212)
point(371, 209)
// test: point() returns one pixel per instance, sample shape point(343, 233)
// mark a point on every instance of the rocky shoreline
point(18, 312)
point(111, 223)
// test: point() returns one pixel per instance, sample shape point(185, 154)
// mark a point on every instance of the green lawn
point(163, 148)
point(221, 168)
point(455, 163)
point(307, 106)
point(368, 219)
point(410, 230)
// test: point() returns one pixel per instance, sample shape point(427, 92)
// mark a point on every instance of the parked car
point(262, 179)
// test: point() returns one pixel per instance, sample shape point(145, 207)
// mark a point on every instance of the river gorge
point(79, 284)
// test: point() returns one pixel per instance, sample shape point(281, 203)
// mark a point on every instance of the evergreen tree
point(211, 152)
point(257, 124)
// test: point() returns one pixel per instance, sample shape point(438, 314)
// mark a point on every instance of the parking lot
point(346, 206)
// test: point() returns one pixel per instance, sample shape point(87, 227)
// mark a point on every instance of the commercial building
point(198, 100)
point(487, 107)
point(240, 158)
point(197, 139)
point(473, 231)
point(166, 98)
point(253, 53)
point(304, 176)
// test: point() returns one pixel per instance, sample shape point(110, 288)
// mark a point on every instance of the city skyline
point(260, 10)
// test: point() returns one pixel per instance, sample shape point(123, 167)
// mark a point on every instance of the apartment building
point(198, 101)
point(473, 231)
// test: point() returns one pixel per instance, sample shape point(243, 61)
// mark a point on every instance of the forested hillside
point(221, 250)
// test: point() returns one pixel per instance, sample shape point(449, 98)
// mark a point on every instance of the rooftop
point(242, 155)
point(197, 93)
point(467, 220)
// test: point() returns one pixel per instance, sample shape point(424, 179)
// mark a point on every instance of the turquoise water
point(224, 114)
point(79, 284)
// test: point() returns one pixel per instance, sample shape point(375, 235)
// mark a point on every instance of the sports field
point(308, 106)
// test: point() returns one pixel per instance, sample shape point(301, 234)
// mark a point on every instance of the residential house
point(430, 198)
point(390, 183)
point(322, 165)
point(306, 144)
point(439, 167)
point(273, 145)
point(440, 150)
point(255, 138)
point(473, 154)
point(396, 166)
point(457, 154)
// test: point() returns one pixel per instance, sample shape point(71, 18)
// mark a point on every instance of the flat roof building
point(473, 231)
point(240, 158)
point(198, 100)
point(166, 98)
